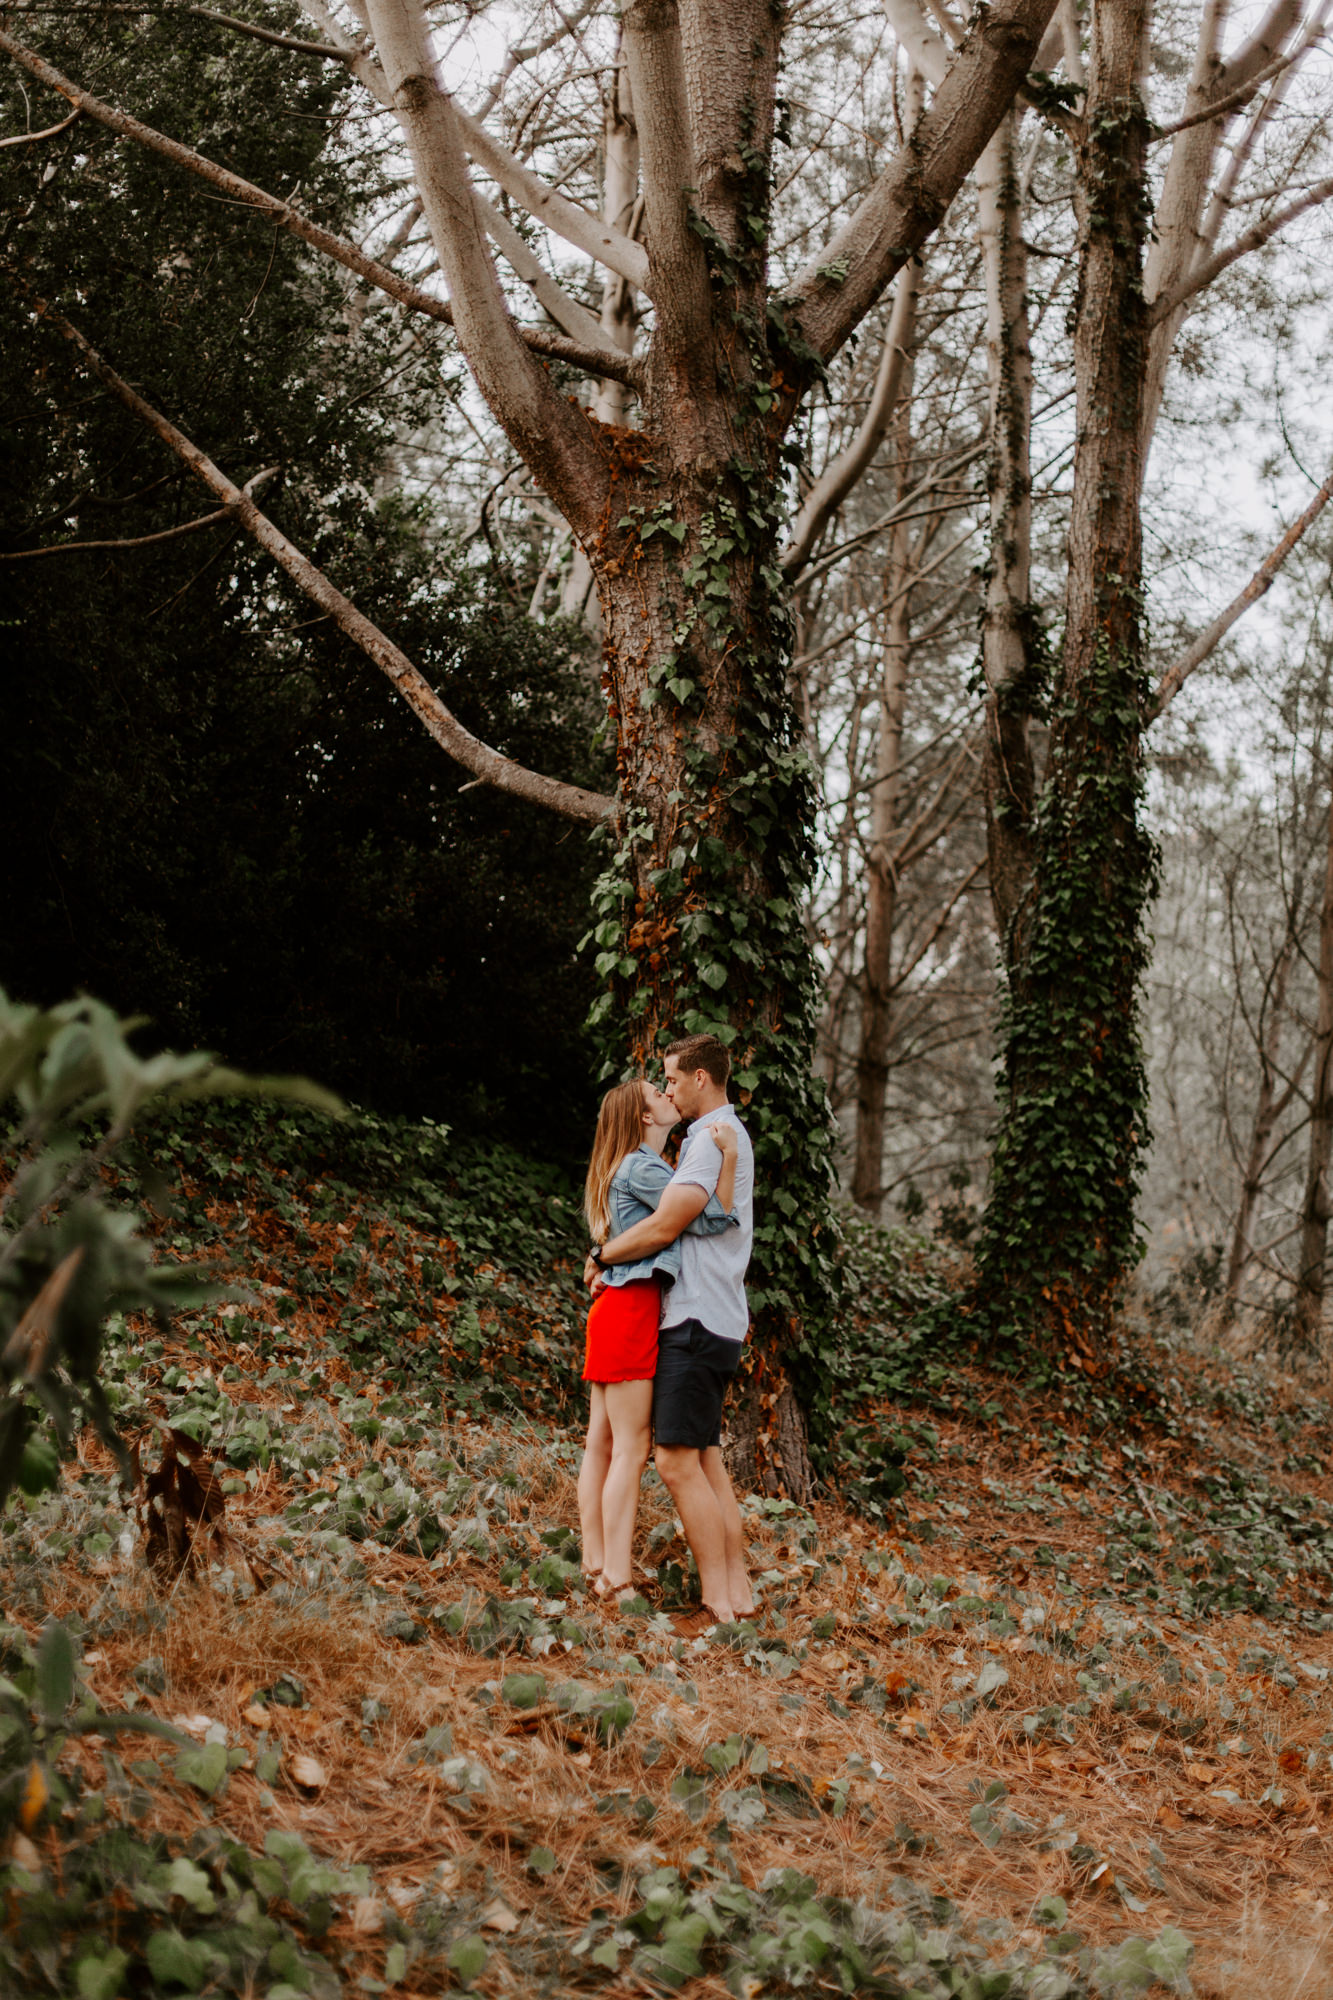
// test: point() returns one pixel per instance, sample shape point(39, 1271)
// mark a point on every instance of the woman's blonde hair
point(619, 1132)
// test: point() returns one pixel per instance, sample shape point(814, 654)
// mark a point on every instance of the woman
point(626, 1179)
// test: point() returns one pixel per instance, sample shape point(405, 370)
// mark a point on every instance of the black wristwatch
point(596, 1254)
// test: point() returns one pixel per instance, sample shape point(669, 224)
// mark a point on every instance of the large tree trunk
point(872, 1063)
point(1315, 1207)
point(1060, 1231)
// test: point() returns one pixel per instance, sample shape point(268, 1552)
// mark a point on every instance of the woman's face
point(658, 1110)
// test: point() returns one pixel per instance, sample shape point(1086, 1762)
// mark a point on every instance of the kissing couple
point(668, 1321)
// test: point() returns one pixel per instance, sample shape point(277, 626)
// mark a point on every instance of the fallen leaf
point(193, 1725)
point(256, 1715)
point(36, 1792)
point(309, 1773)
point(1169, 1819)
point(528, 1719)
point(1291, 1760)
point(367, 1915)
point(498, 1916)
point(24, 1855)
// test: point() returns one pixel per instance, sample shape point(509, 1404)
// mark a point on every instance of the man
point(705, 1319)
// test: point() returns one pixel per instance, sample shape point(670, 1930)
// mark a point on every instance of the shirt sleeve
point(713, 1220)
point(648, 1179)
point(700, 1164)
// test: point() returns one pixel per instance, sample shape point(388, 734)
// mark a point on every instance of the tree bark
point(872, 1064)
point(1012, 650)
point(1266, 1112)
point(1315, 1209)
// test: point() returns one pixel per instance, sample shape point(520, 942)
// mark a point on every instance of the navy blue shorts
point(694, 1367)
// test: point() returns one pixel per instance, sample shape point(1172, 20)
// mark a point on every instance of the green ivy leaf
point(204, 1767)
point(467, 1957)
point(55, 1671)
point(100, 1975)
point(174, 1960)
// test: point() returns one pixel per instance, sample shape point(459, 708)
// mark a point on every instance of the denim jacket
point(636, 1188)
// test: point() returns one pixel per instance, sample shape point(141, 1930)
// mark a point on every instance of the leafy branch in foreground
point(72, 1088)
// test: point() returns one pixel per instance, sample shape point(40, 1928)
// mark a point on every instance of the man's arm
point(680, 1204)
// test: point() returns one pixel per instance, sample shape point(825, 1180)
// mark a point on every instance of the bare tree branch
point(250, 488)
point(50, 131)
point(593, 235)
point(840, 284)
point(931, 53)
point(487, 765)
point(655, 60)
point(1197, 652)
point(593, 360)
point(1222, 107)
point(554, 438)
point(1253, 239)
point(577, 321)
point(837, 480)
point(302, 45)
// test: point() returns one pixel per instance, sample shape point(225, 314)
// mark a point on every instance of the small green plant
point(69, 1255)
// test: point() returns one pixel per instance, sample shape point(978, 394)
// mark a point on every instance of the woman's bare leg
point(592, 1479)
point(629, 1409)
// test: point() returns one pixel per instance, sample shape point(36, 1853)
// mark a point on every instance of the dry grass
point(1177, 1813)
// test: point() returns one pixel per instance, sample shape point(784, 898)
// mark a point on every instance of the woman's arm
point(718, 1214)
point(723, 1136)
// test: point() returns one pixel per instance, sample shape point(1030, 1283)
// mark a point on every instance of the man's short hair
point(703, 1052)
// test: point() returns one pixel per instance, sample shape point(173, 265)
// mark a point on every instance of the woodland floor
point(1073, 1688)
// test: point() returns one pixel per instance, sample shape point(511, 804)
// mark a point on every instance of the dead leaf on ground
point(309, 1773)
point(498, 1916)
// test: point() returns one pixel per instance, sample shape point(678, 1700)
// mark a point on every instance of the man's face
point(683, 1088)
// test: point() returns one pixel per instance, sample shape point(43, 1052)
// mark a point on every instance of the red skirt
point(622, 1333)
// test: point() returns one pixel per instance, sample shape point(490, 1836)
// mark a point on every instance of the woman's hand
point(723, 1137)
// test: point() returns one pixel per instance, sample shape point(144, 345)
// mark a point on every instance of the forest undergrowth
point(1037, 1700)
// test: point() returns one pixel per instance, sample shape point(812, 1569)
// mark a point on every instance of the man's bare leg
point(682, 1470)
point(738, 1577)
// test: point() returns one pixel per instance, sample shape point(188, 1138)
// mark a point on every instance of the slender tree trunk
point(872, 1063)
point(1012, 649)
point(1315, 1207)
point(1266, 1113)
point(620, 194)
point(1060, 1231)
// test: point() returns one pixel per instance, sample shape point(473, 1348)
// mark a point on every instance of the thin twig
point(1195, 654)
point(50, 131)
